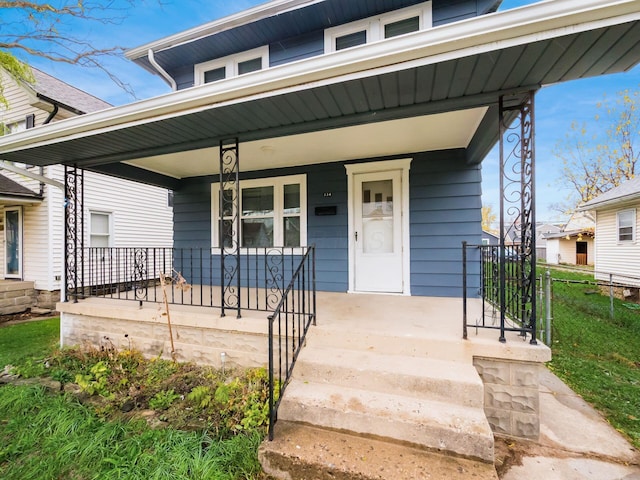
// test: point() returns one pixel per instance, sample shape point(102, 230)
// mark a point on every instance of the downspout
point(163, 73)
point(51, 116)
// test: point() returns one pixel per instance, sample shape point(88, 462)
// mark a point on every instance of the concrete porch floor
point(436, 318)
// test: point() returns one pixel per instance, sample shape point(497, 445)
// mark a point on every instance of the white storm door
point(378, 232)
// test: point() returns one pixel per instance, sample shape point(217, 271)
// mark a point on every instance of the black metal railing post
point(517, 197)
point(230, 214)
point(74, 232)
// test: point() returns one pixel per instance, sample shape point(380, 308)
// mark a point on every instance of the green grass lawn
point(597, 356)
point(47, 436)
point(28, 340)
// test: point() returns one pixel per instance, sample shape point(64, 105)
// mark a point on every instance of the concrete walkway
point(576, 443)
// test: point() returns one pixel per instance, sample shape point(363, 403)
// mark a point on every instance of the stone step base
point(310, 453)
point(418, 421)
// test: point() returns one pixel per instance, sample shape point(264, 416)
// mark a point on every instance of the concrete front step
point(309, 453)
point(426, 423)
point(441, 348)
point(441, 380)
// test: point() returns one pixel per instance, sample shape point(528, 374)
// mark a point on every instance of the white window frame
point(231, 63)
point(109, 234)
point(633, 225)
point(374, 26)
point(278, 184)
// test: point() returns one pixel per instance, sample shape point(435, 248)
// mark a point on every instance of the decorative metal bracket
point(229, 225)
point(517, 201)
point(74, 232)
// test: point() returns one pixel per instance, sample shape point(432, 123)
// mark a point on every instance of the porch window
point(388, 25)
point(100, 229)
point(627, 226)
point(272, 213)
point(232, 66)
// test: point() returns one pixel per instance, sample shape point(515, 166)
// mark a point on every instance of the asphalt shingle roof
point(64, 93)
point(627, 191)
point(11, 188)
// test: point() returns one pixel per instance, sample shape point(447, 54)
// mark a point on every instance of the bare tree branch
point(46, 30)
point(595, 163)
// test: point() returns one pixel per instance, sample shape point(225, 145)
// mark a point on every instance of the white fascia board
point(492, 32)
point(244, 17)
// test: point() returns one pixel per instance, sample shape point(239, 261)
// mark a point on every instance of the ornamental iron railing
point(192, 276)
point(288, 326)
point(505, 306)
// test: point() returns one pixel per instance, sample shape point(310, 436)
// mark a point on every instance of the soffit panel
point(435, 132)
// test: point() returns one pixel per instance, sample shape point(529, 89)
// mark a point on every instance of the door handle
point(356, 236)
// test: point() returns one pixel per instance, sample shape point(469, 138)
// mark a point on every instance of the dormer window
point(232, 66)
point(392, 24)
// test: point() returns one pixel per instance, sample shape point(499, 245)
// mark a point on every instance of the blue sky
point(557, 106)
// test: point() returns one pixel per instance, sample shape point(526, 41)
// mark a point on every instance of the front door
point(378, 232)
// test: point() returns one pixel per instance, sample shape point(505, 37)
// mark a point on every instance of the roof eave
point(609, 203)
point(244, 17)
point(463, 38)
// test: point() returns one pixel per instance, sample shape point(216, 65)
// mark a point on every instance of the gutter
point(57, 104)
point(541, 21)
point(163, 73)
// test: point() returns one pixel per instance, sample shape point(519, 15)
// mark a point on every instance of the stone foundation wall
point(198, 337)
point(511, 396)
point(16, 297)
point(47, 299)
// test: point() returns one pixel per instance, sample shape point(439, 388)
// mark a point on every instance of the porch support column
point(517, 203)
point(229, 226)
point(73, 233)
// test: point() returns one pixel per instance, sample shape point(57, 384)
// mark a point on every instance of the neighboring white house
point(617, 250)
point(32, 213)
point(573, 244)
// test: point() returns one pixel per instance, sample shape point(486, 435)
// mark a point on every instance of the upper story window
point(627, 225)
point(232, 66)
point(392, 24)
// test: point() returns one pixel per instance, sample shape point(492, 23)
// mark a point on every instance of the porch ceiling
point(461, 67)
point(432, 132)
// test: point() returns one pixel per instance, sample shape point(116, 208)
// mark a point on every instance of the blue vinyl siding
point(297, 48)
point(311, 44)
point(445, 209)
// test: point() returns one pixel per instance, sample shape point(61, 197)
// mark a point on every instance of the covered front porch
point(307, 156)
point(361, 344)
